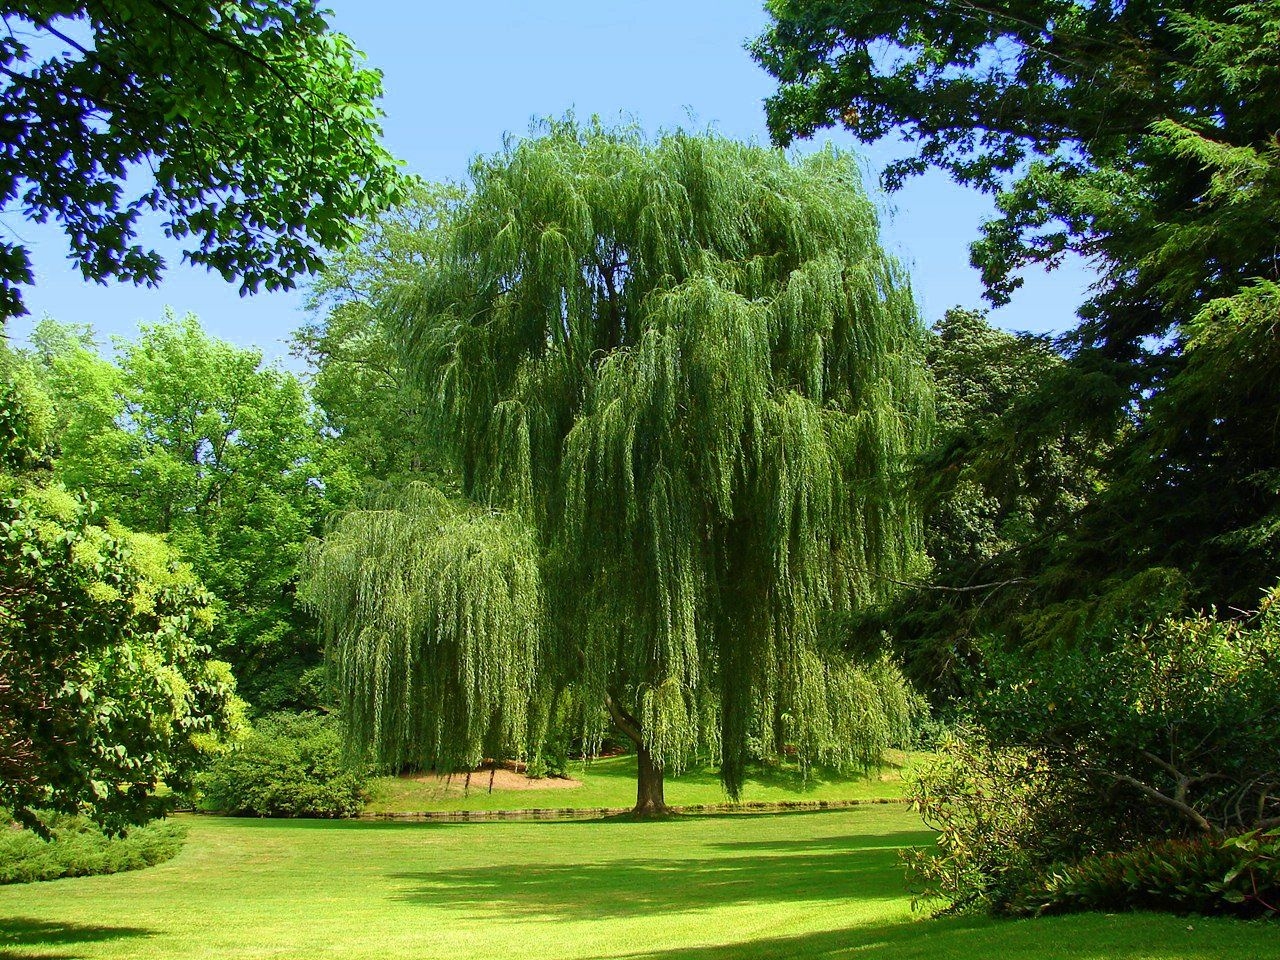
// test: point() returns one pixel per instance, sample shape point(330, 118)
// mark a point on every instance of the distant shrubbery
point(1140, 771)
point(79, 848)
point(290, 765)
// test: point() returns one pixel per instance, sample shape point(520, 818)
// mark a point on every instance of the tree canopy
point(995, 506)
point(679, 380)
point(195, 439)
point(375, 411)
point(107, 683)
point(249, 128)
point(1139, 136)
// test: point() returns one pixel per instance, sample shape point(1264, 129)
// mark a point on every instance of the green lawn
point(611, 782)
point(700, 888)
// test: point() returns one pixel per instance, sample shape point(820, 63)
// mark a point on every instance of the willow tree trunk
point(650, 801)
point(649, 798)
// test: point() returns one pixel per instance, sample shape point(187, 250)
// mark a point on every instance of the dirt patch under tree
point(507, 775)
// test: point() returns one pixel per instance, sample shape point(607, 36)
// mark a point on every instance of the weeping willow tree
point(680, 379)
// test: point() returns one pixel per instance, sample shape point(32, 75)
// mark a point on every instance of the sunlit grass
point(802, 886)
point(611, 782)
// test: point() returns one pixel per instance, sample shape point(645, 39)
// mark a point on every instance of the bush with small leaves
point(290, 765)
point(1001, 815)
point(1164, 733)
point(108, 687)
point(77, 847)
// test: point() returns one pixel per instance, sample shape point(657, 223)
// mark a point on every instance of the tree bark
point(649, 798)
point(650, 801)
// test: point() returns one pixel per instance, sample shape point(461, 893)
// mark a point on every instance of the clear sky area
point(459, 76)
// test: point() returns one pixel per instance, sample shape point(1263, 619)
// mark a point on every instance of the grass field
point(611, 782)
point(798, 886)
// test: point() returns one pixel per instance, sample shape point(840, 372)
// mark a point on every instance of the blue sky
point(460, 76)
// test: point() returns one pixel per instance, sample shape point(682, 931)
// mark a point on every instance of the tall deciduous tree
point(106, 683)
point(374, 409)
point(194, 438)
point(1100, 127)
point(249, 128)
point(995, 507)
point(1141, 136)
point(679, 379)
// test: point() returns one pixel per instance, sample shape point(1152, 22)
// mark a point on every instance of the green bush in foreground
point(1164, 734)
point(79, 848)
point(109, 685)
point(290, 765)
point(1002, 816)
point(1238, 876)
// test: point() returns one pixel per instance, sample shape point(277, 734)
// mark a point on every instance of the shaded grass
point(611, 782)
point(802, 886)
point(36, 933)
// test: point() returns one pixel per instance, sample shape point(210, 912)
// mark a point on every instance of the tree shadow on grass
point(791, 779)
point(861, 841)
point(1080, 937)
point(864, 868)
point(33, 932)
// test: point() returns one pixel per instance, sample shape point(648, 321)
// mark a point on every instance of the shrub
point(1001, 815)
point(1165, 733)
point(290, 765)
point(1236, 876)
point(109, 687)
point(1172, 723)
point(77, 848)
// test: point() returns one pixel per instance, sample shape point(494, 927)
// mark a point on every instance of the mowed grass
point(794, 886)
point(611, 782)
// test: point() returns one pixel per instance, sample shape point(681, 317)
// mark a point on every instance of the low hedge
point(78, 848)
point(1236, 876)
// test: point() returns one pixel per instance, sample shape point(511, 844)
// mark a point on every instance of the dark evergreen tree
point(1140, 136)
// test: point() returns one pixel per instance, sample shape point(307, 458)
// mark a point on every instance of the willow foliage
point(689, 369)
point(432, 614)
